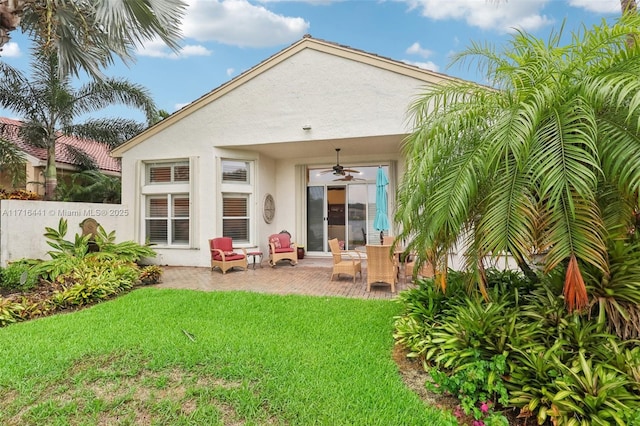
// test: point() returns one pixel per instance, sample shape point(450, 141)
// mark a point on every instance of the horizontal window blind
point(235, 220)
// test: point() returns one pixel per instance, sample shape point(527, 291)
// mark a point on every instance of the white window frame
point(170, 190)
point(236, 188)
point(247, 218)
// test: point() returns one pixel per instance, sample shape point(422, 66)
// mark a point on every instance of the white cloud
point(598, 6)
point(158, 49)
point(194, 50)
point(180, 106)
point(500, 15)
point(313, 2)
point(230, 72)
point(240, 23)
point(416, 49)
point(424, 65)
point(10, 50)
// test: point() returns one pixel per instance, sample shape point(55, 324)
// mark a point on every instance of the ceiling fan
point(348, 177)
point(338, 169)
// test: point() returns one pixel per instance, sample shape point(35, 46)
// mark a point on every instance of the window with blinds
point(235, 217)
point(164, 225)
point(167, 206)
point(159, 173)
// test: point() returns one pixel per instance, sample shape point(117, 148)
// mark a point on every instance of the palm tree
point(86, 34)
point(91, 186)
point(546, 163)
point(50, 105)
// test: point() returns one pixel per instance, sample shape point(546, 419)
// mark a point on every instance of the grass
point(185, 357)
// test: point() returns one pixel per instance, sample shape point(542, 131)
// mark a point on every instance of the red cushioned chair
point(223, 256)
point(281, 248)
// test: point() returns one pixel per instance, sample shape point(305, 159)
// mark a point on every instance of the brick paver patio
point(309, 277)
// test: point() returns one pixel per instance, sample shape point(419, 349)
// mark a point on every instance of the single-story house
point(259, 154)
point(36, 158)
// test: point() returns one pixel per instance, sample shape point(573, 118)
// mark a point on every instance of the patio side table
point(255, 254)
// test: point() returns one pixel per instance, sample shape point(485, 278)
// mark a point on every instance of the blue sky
point(223, 38)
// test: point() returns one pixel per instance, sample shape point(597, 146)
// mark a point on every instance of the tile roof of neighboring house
point(96, 150)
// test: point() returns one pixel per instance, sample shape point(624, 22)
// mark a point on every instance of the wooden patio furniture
point(382, 266)
point(425, 271)
point(282, 248)
point(223, 255)
point(345, 261)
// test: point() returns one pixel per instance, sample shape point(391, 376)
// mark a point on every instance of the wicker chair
point(281, 248)
point(223, 256)
point(382, 266)
point(345, 261)
point(388, 240)
point(425, 271)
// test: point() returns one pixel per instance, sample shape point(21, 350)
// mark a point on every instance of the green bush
point(476, 385)
point(80, 276)
point(150, 274)
point(10, 311)
point(562, 368)
point(19, 275)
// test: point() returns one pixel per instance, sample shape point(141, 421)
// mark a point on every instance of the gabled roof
point(99, 152)
point(307, 42)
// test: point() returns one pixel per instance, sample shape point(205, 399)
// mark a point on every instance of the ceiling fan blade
point(350, 171)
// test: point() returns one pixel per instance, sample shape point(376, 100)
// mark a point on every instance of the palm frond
point(82, 159)
point(97, 95)
point(555, 153)
point(88, 35)
point(109, 131)
point(12, 160)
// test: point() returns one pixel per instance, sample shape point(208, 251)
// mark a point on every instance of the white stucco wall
point(23, 222)
point(339, 98)
point(343, 100)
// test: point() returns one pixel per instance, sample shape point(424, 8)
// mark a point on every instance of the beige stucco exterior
point(285, 114)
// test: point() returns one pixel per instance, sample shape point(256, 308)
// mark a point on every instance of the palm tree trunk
point(629, 6)
point(50, 173)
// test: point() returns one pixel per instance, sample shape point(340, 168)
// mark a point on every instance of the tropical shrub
point(90, 186)
point(19, 275)
point(150, 274)
point(476, 385)
point(615, 295)
point(525, 352)
point(78, 277)
point(125, 250)
point(18, 194)
point(61, 247)
point(10, 311)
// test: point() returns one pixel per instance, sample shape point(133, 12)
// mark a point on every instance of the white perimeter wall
point(23, 222)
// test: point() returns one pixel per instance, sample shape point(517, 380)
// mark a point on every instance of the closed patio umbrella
point(381, 222)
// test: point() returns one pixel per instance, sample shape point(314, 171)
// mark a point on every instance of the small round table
point(255, 254)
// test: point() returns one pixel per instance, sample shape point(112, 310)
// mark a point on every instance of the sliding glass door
point(316, 213)
point(342, 208)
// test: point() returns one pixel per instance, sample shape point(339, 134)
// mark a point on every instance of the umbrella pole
point(381, 237)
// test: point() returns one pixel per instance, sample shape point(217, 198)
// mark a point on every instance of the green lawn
point(186, 357)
